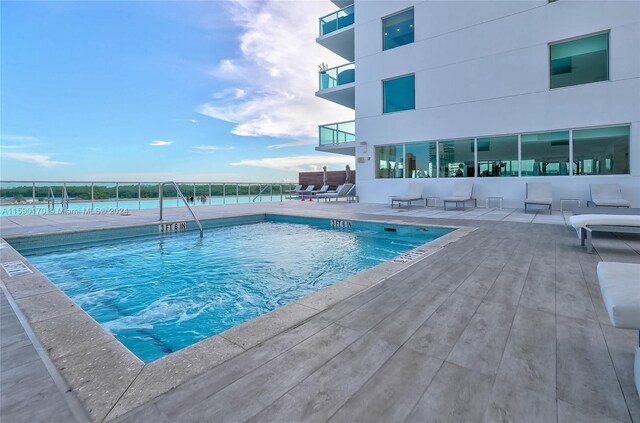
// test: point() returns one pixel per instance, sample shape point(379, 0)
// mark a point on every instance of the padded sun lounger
point(620, 289)
point(540, 194)
point(341, 192)
point(462, 192)
point(414, 193)
point(607, 195)
point(585, 224)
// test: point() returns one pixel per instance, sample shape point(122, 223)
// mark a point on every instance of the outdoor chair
point(540, 194)
point(462, 192)
point(341, 192)
point(607, 195)
point(585, 224)
point(414, 193)
point(294, 192)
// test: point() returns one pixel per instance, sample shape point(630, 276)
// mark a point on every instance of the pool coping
point(109, 380)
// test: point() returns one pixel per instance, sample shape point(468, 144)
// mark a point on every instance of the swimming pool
point(160, 293)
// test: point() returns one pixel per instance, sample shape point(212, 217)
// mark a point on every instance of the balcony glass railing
point(337, 20)
point(339, 75)
point(22, 198)
point(338, 133)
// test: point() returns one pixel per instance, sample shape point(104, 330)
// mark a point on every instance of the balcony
point(338, 138)
point(336, 32)
point(338, 85)
point(342, 3)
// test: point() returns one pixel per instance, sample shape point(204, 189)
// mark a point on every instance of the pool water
point(158, 294)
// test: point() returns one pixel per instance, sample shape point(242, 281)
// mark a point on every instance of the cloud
point(34, 158)
point(275, 76)
point(298, 163)
point(293, 144)
point(214, 148)
point(230, 94)
point(19, 138)
point(159, 143)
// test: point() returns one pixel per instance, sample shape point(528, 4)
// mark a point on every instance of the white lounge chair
point(352, 195)
point(585, 224)
point(323, 189)
point(462, 192)
point(341, 192)
point(540, 194)
point(294, 192)
point(414, 193)
point(607, 195)
point(621, 295)
point(308, 190)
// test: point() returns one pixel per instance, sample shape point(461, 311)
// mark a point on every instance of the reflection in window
point(397, 30)
point(601, 151)
point(545, 154)
point(389, 161)
point(456, 158)
point(580, 61)
point(399, 94)
point(498, 156)
point(420, 160)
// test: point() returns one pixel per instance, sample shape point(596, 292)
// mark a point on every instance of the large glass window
point(389, 161)
point(601, 151)
point(580, 61)
point(399, 94)
point(397, 30)
point(420, 160)
point(456, 158)
point(545, 154)
point(498, 156)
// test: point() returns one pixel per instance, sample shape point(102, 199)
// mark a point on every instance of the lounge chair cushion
point(620, 287)
point(584, 220)
point(539, 193)
point(608, 195)
point(414, 192)
point(613, 203)
point(456, 198)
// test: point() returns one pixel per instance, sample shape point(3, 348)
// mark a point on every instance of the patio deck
point(506, 324)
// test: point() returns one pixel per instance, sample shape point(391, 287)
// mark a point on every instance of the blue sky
point(144, 91)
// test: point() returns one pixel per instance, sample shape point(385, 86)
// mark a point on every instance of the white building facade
point(499, 93)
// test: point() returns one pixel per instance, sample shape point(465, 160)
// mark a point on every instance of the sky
point(206, 91)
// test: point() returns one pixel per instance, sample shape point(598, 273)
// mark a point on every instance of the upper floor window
point(399, 94)
point(397, 30)
point(579, 61)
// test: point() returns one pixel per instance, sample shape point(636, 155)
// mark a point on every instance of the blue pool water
point(160, 293)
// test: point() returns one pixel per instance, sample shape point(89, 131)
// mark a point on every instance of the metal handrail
point(183, 199)
point(51, 198)
point(65, 197)
point(260, 193)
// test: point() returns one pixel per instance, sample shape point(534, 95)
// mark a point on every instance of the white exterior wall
point(482, 69)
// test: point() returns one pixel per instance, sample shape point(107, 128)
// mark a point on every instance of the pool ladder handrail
point(186, 203)
point(65, 198)
point(51, 198)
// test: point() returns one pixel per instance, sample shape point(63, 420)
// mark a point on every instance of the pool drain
point(15, 268)
point(409, 256)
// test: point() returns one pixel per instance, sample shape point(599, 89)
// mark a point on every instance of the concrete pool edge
point(110, 381)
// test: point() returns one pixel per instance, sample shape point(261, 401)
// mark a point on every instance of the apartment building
point(497, 92)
